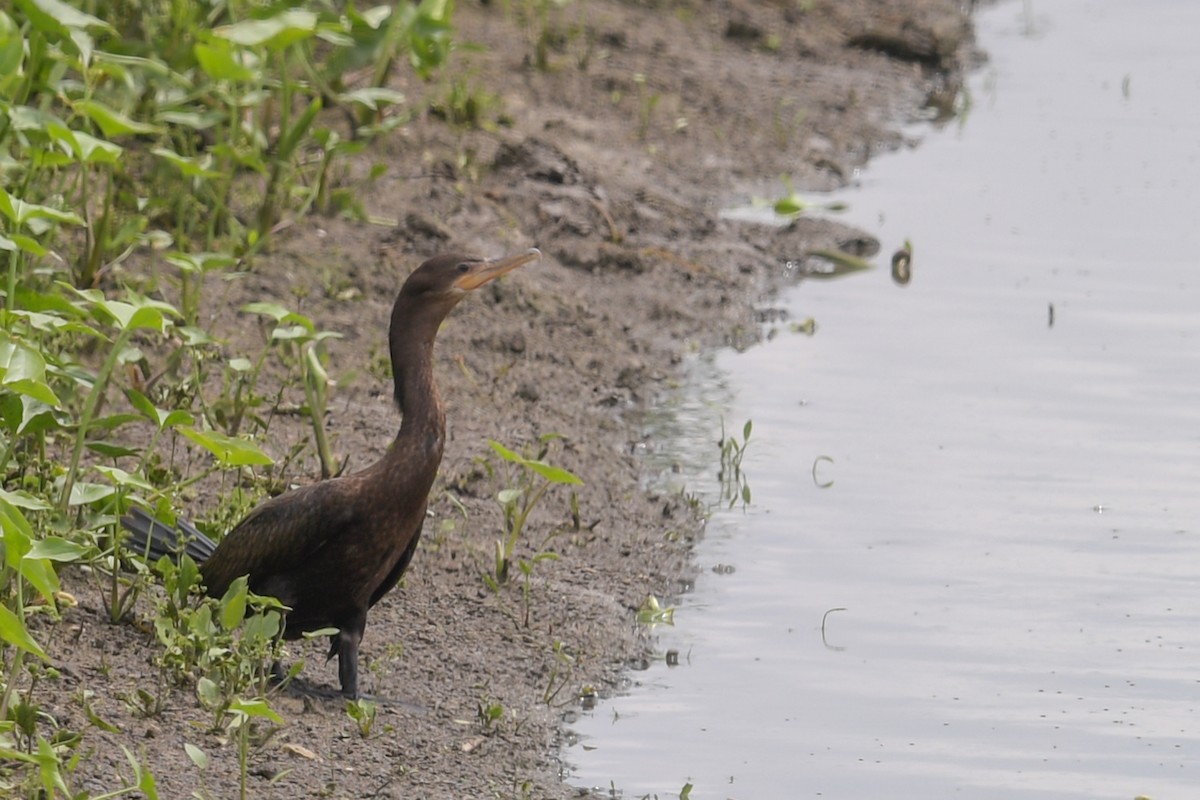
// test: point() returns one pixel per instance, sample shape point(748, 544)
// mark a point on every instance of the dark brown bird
point(331, 550)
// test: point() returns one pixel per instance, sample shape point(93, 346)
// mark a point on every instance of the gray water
point(1013, 525)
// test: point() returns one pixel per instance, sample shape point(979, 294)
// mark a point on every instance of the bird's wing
point(280, 535)
point(400, 568)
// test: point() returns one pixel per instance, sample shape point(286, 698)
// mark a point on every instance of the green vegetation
point(733, 482)
point(143, 150)
point(525, 481)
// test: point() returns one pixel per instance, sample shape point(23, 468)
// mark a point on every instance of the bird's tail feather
point(154, 538)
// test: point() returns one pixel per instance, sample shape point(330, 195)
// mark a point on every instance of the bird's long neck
point(416, 392)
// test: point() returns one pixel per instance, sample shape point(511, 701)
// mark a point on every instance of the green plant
point(733, 482)
point(523, 491)
point(362, 713)
point(647, 102)
point(154, 151)
point(537, 16)
point(489, 711)
point(300, 343)
point(793, 205)
point(562, 670)
point(227, 646)
point(652, 612)
point(250, 721)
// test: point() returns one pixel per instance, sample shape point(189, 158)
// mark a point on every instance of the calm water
point(1013, 525)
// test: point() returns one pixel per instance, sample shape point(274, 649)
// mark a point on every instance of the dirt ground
point(615, 160)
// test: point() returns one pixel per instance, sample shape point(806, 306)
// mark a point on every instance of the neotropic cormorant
point(329, 551)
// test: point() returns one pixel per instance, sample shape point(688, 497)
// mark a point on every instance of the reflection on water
point(1008, 512)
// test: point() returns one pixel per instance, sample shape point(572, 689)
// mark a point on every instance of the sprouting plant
point(537, 17)
point(652, 612)
point(363, 713)
point(562, 670)
point(792, 204)
point(490, 711)
point(521, 495)
point(647, 102)
point(733, 482)
point(250, 721)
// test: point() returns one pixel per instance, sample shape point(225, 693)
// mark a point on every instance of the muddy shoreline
point(614, 159)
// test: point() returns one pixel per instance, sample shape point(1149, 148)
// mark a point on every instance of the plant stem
point(89, 411)
point(14, 673)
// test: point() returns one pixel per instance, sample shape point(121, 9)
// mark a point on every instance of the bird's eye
point(463, 267)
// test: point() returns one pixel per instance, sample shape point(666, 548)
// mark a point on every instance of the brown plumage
point(331, 550)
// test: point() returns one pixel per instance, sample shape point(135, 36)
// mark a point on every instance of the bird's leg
point(345, 643)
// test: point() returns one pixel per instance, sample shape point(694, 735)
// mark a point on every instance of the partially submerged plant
point(733, 482)
point(793, 204)
point(652, 612)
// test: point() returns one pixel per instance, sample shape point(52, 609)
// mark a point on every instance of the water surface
point(1012, 525)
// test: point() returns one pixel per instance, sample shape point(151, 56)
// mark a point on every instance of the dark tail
point(154, 538)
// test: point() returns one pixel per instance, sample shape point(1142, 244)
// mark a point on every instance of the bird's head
point(449, 277)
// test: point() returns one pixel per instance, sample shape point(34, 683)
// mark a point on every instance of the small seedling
point(652, 612)
point(362, 713)
point(733, 482)
point(490, 713)
point(518, 500)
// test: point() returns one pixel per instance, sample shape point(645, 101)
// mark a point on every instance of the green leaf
point(230, 451)
point(13, 631)
point(21, 242)
point(201, 262)
point(233, 604)
point(261, 627)
point(373, 97)
point(195, 120)
point(112, 122)
point(198, 756)
point(112, 450)
point(143, 776)
point(275, 33)
point(505, 453)
point(12, 49)
point(23, 499)
point(256, 708)
point(23, 370)
point(790, 205)
point(317, 634)
point(22, 213)
point(135, 314)
point(18, 534)
point(125, 480)
point(83, 494)
point(96, 151)
point(553, 474)
point(41, 576)
point(843, 264)
point(190, 167)
point(96, 720)
point(55, 548)
point(55, 16)
point(280, 314)
point(219, 60)
point(208, 692)
point(288, 143)
point(162, 419)
point(289, 333)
